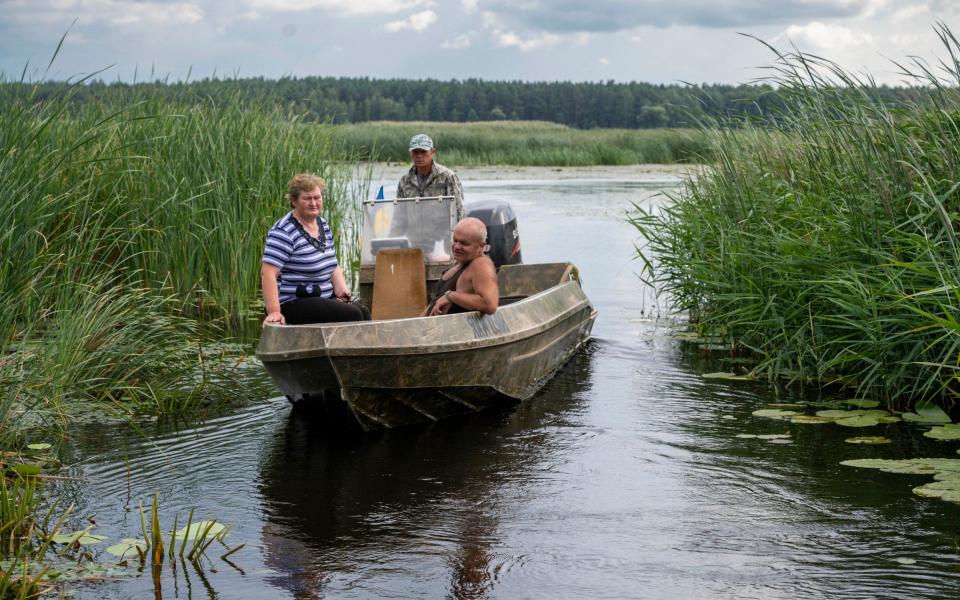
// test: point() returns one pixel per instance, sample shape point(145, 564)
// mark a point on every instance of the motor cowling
point(502, 233)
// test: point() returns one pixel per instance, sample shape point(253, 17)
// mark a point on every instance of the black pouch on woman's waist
point(308, 290)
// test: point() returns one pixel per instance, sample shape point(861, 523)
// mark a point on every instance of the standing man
point(428, 178)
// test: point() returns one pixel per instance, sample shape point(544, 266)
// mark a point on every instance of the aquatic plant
point(525, 143)
point(194, 539)
point(826, 241)
point(35, 552)
point(135, 242)
point(946, 472)
point(26, 535)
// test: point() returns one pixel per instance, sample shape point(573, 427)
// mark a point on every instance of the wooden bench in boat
point(399, 284)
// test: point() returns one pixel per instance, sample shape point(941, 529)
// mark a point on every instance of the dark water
point(621, 479)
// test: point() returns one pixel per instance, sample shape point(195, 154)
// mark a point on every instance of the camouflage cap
point(421, 141)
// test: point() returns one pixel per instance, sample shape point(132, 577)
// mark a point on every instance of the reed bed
point(526, 143)
point(26, 534)
point(134, 240)
point(828, 246)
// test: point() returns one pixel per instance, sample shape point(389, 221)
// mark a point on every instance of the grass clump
point(525, 143)
point(828, 245)
point(135, 232)
point(27, 532)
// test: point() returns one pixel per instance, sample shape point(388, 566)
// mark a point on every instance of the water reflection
point(349, 509)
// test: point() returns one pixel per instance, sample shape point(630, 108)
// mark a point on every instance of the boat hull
point(405, 371)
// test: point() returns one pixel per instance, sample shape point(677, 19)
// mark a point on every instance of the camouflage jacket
point(441, 182)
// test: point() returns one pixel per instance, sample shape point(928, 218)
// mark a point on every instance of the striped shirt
point(299, 262)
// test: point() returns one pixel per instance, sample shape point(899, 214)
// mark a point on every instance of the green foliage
point(26, 535)
point(135, 232)
point(584, 105)
point(525, 144)
point(829, 247)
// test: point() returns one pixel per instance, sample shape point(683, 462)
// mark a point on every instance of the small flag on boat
point(380, 193)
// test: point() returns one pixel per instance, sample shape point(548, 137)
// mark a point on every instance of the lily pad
point(828, 404)
point(929, 413)
point(844, 414)
point(199, 528)
point(39, 446)
point(948, 490)
point(127, 548)
point(728, 418)
point(889, 419)
point(906, 561)
point(78, 537)
point(837, 414)
point(862, 403)
point(864, 421)
point(910, 466)
point(948, 432)
point(868, 439)
point(810, 420)
point(945, 484)
point(774, 413)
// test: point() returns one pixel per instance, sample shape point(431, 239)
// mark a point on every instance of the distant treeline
point(582, 105)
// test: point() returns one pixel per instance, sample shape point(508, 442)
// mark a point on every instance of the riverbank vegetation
point(132, 246)
point(583, 105)
point(525, 144)
point(828, 246)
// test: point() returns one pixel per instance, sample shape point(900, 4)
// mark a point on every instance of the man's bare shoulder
point(483, 266)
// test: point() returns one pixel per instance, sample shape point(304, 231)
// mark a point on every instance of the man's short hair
point(421, 141)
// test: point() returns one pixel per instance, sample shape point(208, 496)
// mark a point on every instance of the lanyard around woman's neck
point(320, 245)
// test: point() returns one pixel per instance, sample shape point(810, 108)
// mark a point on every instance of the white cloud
point(415, 22)
point(348, 7)
point(581, 39)
point(905, 41)
point(912, 11)
point(113, 12)
point(604, 61)
point(469, 5)
point(509, 39)
point(461, 41)
point(818, 36)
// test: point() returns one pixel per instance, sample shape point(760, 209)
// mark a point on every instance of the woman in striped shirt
point(302, 282)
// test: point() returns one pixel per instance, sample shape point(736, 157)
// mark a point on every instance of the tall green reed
point(136, 230)
point(828, 244)
point(27, 529)
point(527, 143)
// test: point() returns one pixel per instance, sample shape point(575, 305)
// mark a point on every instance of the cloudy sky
point(661, 41)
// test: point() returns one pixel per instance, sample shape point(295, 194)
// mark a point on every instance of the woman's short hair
point(304, 182)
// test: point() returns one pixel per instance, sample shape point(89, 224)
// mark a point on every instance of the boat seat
point(527, 280)
point(399, 284)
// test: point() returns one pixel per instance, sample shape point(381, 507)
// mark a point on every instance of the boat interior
point(398, 285)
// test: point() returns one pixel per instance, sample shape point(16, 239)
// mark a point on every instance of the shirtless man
point(471, 284)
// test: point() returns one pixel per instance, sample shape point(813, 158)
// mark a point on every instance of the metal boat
point(389, 372)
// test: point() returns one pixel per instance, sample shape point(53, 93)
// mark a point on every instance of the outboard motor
point(502, 233)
